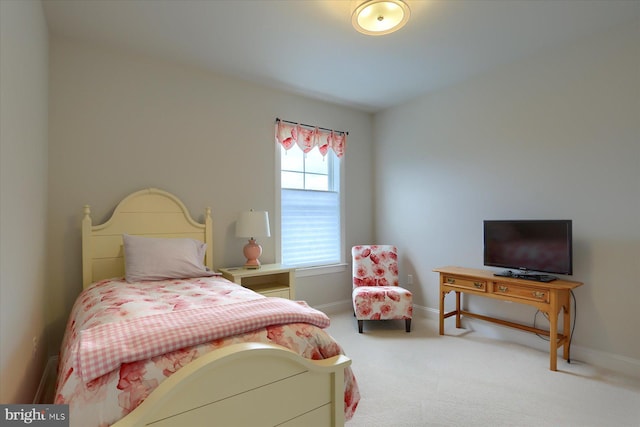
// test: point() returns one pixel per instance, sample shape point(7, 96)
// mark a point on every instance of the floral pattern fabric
point(289, 135)
point(376, 291)
point(110, 397)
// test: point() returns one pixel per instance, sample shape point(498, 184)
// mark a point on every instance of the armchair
point(376, 293)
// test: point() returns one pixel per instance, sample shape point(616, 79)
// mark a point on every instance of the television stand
point(548, 297)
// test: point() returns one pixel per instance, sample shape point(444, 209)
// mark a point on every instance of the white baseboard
point(335, 307)
point(44, 394)
point(610, 361)
point(342, 306)
point(428, 312)
point(614, 362)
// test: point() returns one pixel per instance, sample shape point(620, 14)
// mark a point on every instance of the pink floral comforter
point(106, 399)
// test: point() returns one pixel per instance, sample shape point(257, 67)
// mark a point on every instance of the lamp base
point(252, 252)
point(252, 266)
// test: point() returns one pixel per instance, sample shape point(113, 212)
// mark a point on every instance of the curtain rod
point(310, 126)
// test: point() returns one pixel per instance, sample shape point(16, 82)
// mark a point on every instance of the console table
point(549, 298)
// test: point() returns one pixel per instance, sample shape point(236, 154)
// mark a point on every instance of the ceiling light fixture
point(378, 17)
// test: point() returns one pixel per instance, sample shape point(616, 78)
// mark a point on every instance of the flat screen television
point(531, 246)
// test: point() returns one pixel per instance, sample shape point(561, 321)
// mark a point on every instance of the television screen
point(535, 245)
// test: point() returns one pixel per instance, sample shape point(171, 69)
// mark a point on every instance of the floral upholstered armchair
point(376, 293)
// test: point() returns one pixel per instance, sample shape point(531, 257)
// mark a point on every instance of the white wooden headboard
point(150, 212)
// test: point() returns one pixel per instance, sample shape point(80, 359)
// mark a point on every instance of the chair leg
point(407, 324)
point(360, 324)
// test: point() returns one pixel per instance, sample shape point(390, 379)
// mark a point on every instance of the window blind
point(310, 224)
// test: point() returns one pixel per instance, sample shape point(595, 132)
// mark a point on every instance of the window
point(310, 208)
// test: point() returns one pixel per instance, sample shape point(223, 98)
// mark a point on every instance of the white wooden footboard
point(248, 384)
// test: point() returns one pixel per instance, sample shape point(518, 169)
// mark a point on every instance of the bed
point(194, 349)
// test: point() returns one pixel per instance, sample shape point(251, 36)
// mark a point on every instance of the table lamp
point(253, 224)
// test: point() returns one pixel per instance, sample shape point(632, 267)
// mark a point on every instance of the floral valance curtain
point(307, 137)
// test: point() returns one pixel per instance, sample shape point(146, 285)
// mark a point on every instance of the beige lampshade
point(253, 224)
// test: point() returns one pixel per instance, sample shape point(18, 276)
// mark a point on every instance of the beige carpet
point(464, 379)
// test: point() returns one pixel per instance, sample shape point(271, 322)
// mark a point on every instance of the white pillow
point(149, 258)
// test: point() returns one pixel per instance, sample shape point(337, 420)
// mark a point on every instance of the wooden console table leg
point(566, 322)
point(553, 332)
point(442, 295)
point(458, 324)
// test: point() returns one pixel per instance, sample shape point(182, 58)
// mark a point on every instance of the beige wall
point(120, 122)
point(23, 198)
point(555, 136)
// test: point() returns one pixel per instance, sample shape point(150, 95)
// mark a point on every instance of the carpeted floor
point(464, 379)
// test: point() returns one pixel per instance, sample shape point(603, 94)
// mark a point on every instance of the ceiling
point(309, 46)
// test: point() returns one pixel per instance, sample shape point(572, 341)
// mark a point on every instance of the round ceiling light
point(378, 17)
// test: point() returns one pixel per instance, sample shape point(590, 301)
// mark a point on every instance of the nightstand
point(270, 280)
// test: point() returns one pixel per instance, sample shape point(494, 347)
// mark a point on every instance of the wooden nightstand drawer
point(518, 291)
point(461, 282)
